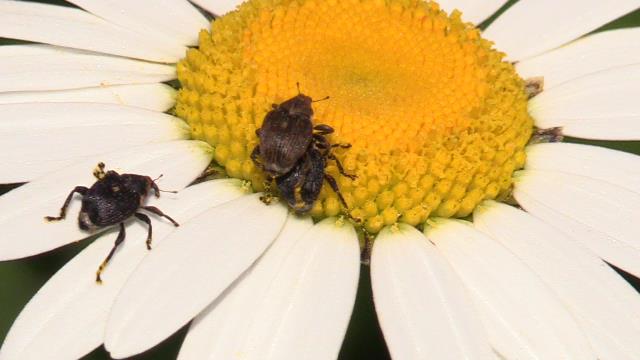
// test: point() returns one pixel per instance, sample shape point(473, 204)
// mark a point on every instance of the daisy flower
point(451, 128)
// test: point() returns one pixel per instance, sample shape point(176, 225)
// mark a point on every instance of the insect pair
point(111, 200)
point(294, 153)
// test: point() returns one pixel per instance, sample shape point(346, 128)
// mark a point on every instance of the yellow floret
point(437, 121)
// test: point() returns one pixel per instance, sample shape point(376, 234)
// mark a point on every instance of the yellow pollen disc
point(437, 121)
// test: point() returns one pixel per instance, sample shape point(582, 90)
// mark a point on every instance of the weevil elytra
point(111, 200)
point(294, 152)
point(285, 135)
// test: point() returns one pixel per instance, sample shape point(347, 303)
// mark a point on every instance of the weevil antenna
point(323, 99)
point(167, 191)
point(299, 93)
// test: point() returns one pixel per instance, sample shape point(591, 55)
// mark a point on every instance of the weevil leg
point(119, 241)
point(98, 172)
point(155, 210)
point(268, 197)
point(146, 219)
point(323, 129)
point(63, 211)
point(340, 168)
point(334, 185)
point(321, 142)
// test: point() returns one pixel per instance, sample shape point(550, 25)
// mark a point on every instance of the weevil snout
point(299, 105)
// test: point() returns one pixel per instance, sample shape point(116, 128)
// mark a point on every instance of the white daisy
point(439, 124)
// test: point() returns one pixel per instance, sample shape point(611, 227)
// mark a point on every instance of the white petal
point(601, 215)
point(605, 128)
point(74, 28)
point(188, 271)
point(175, 20)
point(296, 303)
point(607, 308)
point(472, 10)
point(306, 312)
point(220, 331)
point(588, 55)
point(531, 27)
point(22, 210)
point(155, 97)
point(598, 106)
point(36, 138)
point(523, 318)
point(617, 167)
point(44, 67)
point(423, 307)
point(218, 7)
point(67, 317)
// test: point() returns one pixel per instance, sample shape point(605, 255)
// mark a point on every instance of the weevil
point(111, 200)
point(294, 153)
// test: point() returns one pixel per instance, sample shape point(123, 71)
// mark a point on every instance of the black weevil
point(111, 200)
point(294, 152)
point(301, 186)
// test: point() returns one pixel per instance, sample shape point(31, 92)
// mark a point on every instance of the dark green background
point(19, 280)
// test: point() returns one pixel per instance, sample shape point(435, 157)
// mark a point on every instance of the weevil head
point(138, 184)
point(298, 105)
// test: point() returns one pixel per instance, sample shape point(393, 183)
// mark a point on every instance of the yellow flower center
point(437, 121)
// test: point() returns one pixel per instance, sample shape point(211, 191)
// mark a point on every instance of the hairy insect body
point(285, 135)
point(294, 152)
point(301, 186)
point(111, 200)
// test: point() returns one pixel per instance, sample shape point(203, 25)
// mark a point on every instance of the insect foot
point(111, 200)
point(98, 172)
point(267, 198)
